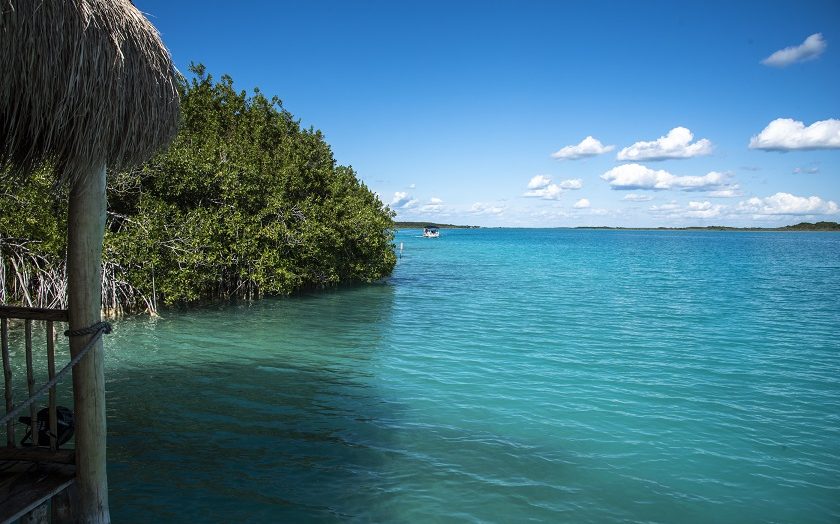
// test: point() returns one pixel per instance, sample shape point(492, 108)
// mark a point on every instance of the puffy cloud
point(786, 134)
point(787, 204)
point(589, 146)
point(811, 48)
point(637, 176)
point(583, 203)
point(676, 144)
point(635, 197)
point(729, 192)
point(480, 208)
point(539, 182)
point(403, 200)
point(694, 209)
point(549, 192)
point(702, 210)
point(541, 186)
point(572, 183)
point(435, 205)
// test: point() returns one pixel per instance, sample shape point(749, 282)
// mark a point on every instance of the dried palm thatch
point(82, 83)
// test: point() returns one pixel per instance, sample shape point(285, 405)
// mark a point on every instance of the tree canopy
point(245, 203)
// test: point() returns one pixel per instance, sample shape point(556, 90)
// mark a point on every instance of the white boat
point(431, 232)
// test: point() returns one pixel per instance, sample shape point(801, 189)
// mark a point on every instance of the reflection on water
point(500, 376)
point(259, 413)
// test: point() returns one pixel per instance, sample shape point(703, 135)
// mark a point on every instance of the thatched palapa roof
point(82, 83)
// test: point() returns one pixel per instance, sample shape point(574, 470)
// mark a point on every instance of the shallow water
point(499, 376)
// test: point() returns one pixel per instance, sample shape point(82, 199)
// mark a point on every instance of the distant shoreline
point(421, 225)
point(802, 226)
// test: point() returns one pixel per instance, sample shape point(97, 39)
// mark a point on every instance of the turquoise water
point(499, 376)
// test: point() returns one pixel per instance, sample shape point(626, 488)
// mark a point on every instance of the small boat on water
point(431, 232)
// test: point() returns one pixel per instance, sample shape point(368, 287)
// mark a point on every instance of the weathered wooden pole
point(85, 229)
point(83, 84)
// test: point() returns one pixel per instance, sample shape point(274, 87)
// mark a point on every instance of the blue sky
point(450, 110)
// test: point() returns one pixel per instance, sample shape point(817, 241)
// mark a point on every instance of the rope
point(90, 330)
point(97, 330)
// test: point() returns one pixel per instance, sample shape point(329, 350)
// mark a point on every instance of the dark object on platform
point(65, 427)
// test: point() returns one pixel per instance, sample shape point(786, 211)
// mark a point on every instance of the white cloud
point(412, 186)
point(806, 170)
point(787, 204)
point(676, 144)
point(583, 203)
point(589, 146)
point(703, 209)
point(541, 186)
point(480, 208)
point(729, 192)
point(637, 176)
point(573, 183)
point(786, 134)
point(403, 200)
point(635, 197)
point(694, 209)
point(549, 192)
point(539, 182)
point(669, 207)
point(435, 205)
point(811, 48)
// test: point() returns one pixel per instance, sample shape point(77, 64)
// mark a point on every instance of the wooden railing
point(35, 480)
point(28, 315)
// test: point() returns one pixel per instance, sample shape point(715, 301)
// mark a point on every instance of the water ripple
point(500, 376)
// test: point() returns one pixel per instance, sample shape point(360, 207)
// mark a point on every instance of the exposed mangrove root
point(30, 279)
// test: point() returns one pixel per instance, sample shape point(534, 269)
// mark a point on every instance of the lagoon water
point(500, 375)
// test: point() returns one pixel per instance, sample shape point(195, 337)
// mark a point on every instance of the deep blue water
point(499, 376)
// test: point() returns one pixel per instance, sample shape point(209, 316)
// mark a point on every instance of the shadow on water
point(289, 427)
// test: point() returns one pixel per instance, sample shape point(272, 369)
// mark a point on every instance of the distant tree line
point(817, 226)
point(245, 203)
point(421, 225)
point(802, 226)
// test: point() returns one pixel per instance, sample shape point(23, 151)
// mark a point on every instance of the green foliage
point(244, 203)
point(819, 226)
point(33, 218)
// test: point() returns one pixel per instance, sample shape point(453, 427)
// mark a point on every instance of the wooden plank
point(30, 382)
point(64, 505)
point(33, 313)
point(24, 487)
point(51, 372)
point(7, 377)
point(39, 515)
point(62, 456)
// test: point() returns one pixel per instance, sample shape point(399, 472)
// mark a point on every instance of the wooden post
point(53, 418)
point(85, 229)
point(30, 382)
point(7, 377)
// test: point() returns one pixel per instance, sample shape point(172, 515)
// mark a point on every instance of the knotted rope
point(97, 330)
